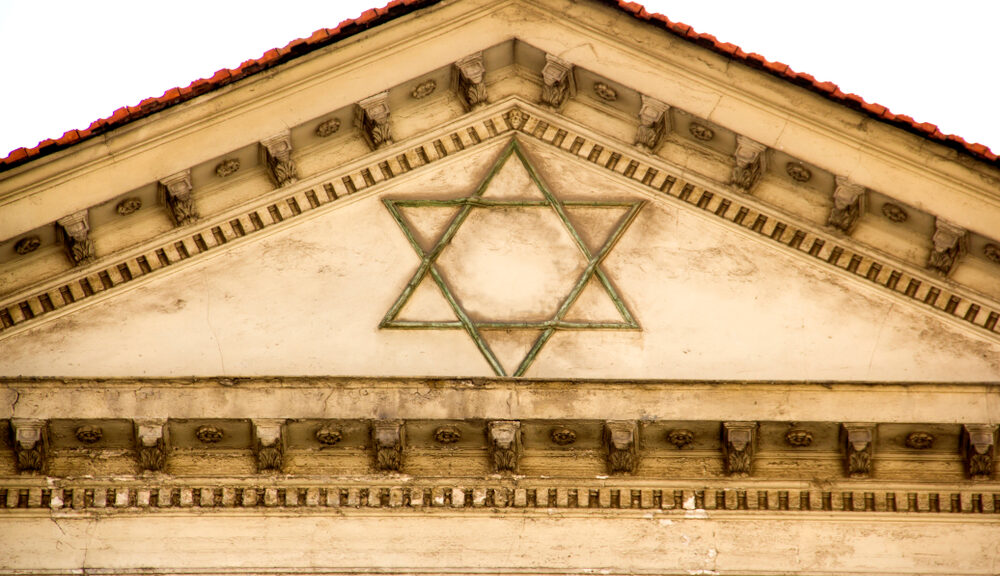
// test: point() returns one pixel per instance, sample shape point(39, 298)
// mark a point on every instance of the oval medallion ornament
point(328, 435)
point(798, 172)
point(919, 440)
point(209, 434)
point(680, 438)
point(128, 206)
point(447, 434)
point(89, 434)
point(894, 213)
point(227, 167)
point(701, 132)
point(605, 92)
point(562, 436)
point(799, 438)
point(27, 245)
point(424, 89)
point(328, 127)
point(992, 253)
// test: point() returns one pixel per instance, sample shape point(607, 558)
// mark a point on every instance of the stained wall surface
point(308, 298)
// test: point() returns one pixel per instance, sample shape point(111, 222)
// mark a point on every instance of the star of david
point(588, 271)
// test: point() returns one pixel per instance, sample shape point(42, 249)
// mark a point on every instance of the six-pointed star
point(482, 199)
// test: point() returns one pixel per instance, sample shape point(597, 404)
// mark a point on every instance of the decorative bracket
point(177, 196)
point(75, 232)
point(848, 204)
point(621, 441)
point(151, 444)
point(372, 118)
point(950, 242)
point(556, 76)
point(276, 154)
point(653, 123)
point(268, 444)
point(30, 445)
point(504, 444)
point(859, 443)
point(751, 162)
point(739, 443)
point(978, 447)
point(387, 440)
point(470, 80)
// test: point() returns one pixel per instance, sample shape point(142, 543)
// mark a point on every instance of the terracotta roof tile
point(397, 8)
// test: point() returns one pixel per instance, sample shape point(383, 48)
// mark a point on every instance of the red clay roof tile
point(397, 8)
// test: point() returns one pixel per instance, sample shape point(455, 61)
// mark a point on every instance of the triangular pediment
point(665, 217)
point(533, 259)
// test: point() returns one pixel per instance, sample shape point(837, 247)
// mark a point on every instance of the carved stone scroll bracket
point(858, 441)
point(653, 123)
point(387, 442)
point(751, 162)
point(30, 445)
point(177, 196)
point(949, 243)
point(276, 155)
point(372, 118)
point(504, 445)
point(75, 233)
point(621, 439)
point(470, 75)
point(268, 444)
point(978, 448)
point(739, 443)
point(848, 204)
point(151, 444)
point(556, 75)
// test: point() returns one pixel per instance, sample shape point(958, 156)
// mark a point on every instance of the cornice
point(768, 109)
point(648, 174)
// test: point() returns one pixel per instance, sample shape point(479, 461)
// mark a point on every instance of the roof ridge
point(396, 8)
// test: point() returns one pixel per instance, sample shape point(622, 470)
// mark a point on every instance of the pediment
point(757, 230)
point(575, 257)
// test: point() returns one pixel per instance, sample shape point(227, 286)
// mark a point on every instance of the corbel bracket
point(621, 439)
point(176, 191)
point(504, 445)
point(276, 155)
point(387, 441)
point(978, 447)
point(470, 81)
point(269, 445)
point(949, 243)
point(848, 204)
point(653, 123)
point(751, 162)
point(75, 233)
point(30, 445)
point(556, 77)
point(859, 446)
point(739, 443)
point(372, 119)
point(151, 444)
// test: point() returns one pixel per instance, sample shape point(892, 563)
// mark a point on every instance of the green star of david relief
point(511, 264)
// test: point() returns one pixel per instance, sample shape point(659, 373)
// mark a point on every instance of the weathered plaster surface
point(308, 299)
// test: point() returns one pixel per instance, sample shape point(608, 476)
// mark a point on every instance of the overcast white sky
point(67, 63)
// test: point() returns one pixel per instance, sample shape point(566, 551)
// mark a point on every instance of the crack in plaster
point(215, 335)
point(878, 337)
